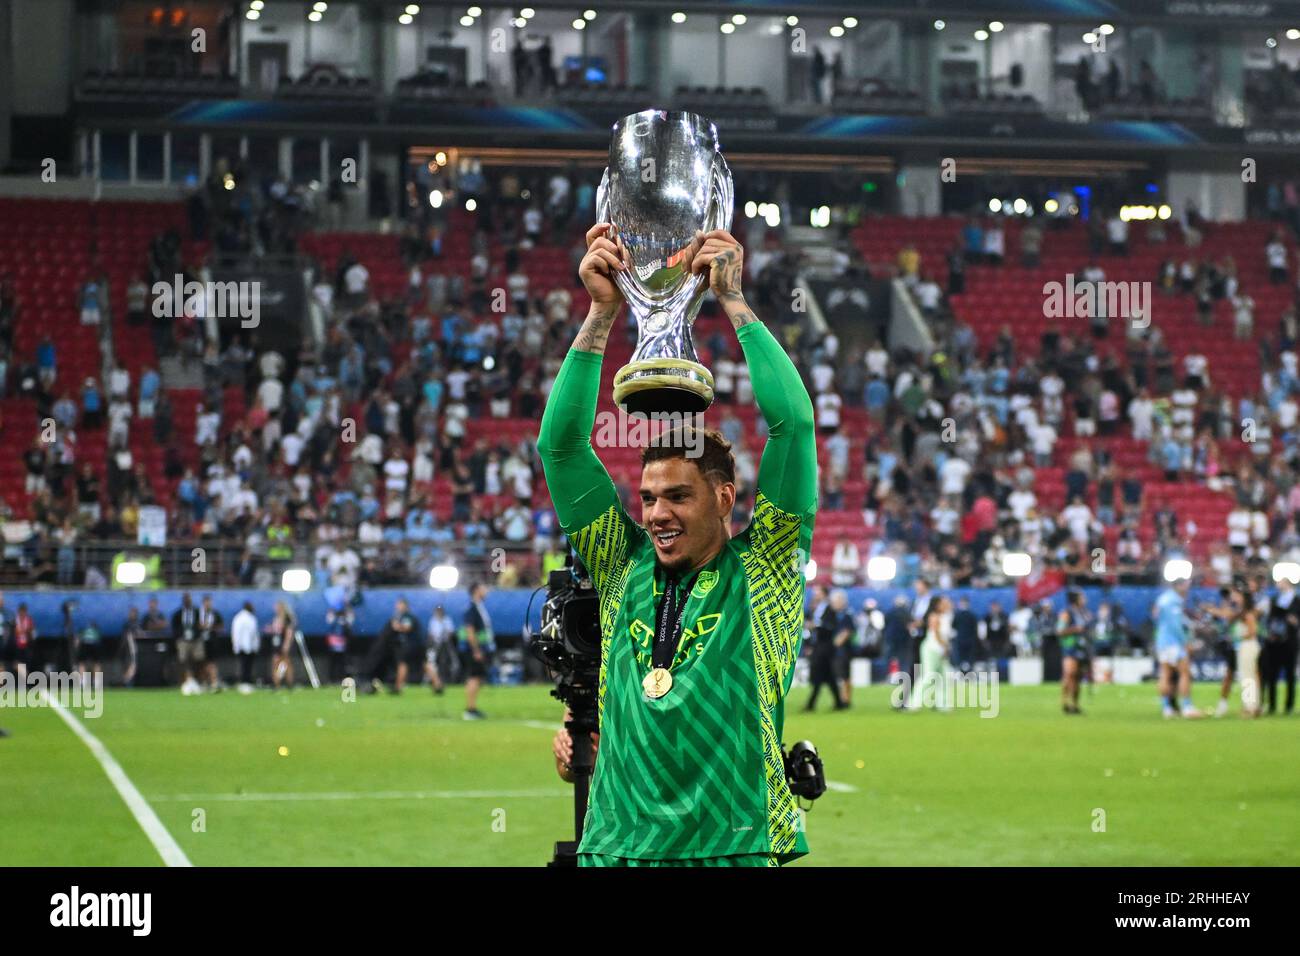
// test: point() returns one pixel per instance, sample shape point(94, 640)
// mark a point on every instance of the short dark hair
point(715, 460)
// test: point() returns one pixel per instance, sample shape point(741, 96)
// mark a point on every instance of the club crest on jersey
point(706, 582)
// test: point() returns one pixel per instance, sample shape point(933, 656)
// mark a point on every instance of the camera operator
point(563, 748)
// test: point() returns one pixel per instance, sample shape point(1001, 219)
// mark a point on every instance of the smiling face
point(686, 515)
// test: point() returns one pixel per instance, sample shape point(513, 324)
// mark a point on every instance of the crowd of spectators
point(328, 457)
point(950, 466)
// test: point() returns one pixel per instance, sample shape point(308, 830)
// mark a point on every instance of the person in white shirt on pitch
point(245, 641)
point(931, 688)
point(438, 637)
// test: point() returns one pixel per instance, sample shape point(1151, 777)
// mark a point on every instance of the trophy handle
point(724, 194)
point(602, 198)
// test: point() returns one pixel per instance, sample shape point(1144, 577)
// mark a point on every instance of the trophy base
point(663, 386)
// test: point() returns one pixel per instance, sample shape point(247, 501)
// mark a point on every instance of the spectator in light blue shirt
point(442, 537)
point(973, 237)
point(733, 430)
point(471, 352)
point(92, 400)
point(450, 327)
point(885, 464)
point(876, 396)
point(65, 411)
point(369, 505)
point(419, 524)
point(45, 357)
point(974, 379)
point(1171, 454)
point(150, 382)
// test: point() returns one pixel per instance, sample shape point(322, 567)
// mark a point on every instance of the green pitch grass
point(405, 781)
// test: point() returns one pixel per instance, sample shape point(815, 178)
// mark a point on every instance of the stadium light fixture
point(406, 19)
point(1178, 569)
point(810, 569)
point(792, 21)
point(739, 19)
point(751, 209)
point(413, 8)
point(435, 198)
point(257, 4)
point(528, 13)
point(295, 580)
point(1090, 38)
point(1106, 29)
point(252, 14)
point(939, 24)
point(315, 16)
point(1020, 205)
point(475, 11)
point(837, 31)
point(981, 35)
point(728, 28)
point(1051, 206)
point(471, 204)
point(1293, 34)
point(440, 158)
point(1271, 42)
point(881, 568)
point(1165, 211)
point(130, 573)
point(820, 217)
point(997, 26)
point(679, 17)
point(444, 577)
point(1017, 564)
point(773, 215)
point(1287, 571)
point(995, 204)
point(320, 6)
point(588, 14)
point(467, 21)
point(850, 22)
point(579, 24)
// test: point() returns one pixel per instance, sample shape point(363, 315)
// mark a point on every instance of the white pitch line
point(840, 787)
point(541, 724)
point(359, 795)
point(168, 849)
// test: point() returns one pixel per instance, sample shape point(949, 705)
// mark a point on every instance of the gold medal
point(657, 683)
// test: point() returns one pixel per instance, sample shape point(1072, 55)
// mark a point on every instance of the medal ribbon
point(668, 623)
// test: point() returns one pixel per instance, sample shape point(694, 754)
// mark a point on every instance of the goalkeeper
point(700, 630)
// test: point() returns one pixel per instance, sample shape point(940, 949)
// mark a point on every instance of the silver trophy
point(666, 181)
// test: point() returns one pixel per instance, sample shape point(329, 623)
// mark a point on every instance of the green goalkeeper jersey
point(698, 772)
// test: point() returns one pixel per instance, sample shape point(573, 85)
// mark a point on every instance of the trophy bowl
point(665, 184)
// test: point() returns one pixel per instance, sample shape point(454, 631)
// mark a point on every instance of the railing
point(224, 563)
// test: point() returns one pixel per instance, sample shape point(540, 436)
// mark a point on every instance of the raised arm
point(585, 499)
point(580, 487)
point(787, 474)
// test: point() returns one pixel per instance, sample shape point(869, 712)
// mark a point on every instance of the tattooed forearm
point(595, 329)
point(737, 309)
